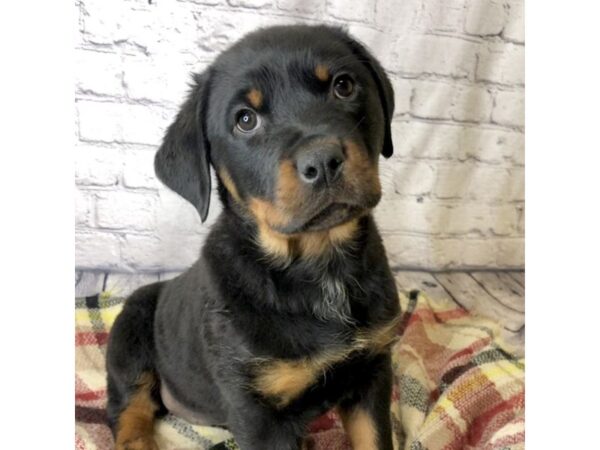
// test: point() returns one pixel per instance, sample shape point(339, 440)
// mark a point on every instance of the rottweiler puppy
point(291, 308)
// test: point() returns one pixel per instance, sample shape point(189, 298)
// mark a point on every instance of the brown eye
point(246, 120)
point(343, 86)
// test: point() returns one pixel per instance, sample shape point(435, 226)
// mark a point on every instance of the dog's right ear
point(182, 162)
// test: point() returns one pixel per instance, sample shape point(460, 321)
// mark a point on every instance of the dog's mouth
point(330, 216)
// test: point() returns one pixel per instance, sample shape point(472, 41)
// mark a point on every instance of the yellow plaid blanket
point(458, 386)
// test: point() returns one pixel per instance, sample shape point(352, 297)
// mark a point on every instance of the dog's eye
point(343, 86)
point(247, 120)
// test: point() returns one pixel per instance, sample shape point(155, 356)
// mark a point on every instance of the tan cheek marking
point(136, 423)
point(255, 98)
point(267, 215)
point(360, 428)
point(229, 185)
point(322, 72)
point(360, 171)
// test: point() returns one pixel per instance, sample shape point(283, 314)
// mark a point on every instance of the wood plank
point(502, 287)
point(123, 284)
point(469, 293)
point(88, 283)
point(423, 281)
point(519, 277)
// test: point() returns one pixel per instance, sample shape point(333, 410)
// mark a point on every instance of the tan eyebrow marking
point(255, 98)
point(322, 72)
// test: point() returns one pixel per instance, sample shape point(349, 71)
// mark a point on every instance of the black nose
point(320, 164)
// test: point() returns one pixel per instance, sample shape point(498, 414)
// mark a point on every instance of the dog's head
point(293, 120)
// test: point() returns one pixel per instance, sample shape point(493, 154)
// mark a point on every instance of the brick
point(448, 142)
point(413, 179)
point(356, 11)
point(485, 17)
point(397, 17)
point(464, 253)
point(122, 210)
point(138, 169)
point(480, 183)
point(410, 251)
point(502, 63)
point(491, 146)
point(440, 55)
point(439, 100)
point(432, 99)
point(315, 7)
point(254, 4)
point(162, 79)
point(83, 208)
point(472, 103)
point(99, 73)
point(440, 219)
point(121, 122)
point(97, 250)
point(97, 166)
point(509, 253)
point(140, 28)
point(509, 108)
point(402, 95)
point(441, 15)
point(515, 26)
point(520, 219)
point(150, 253)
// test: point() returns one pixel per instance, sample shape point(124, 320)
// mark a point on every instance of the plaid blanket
point(458, 386)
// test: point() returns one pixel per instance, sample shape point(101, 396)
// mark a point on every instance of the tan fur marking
point(317, 243)
point(289, 188)
point(360, 428)
point(360, 171)
point(136, 422)
point(255, 98)
point(322, 72)
point(285, 380)
point(229, 184)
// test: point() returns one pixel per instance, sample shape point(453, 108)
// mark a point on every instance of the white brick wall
point(453, 192)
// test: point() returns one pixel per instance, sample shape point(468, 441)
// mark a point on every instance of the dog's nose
point(321, 164)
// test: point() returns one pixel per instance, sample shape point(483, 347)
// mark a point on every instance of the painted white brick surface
point(453, 192)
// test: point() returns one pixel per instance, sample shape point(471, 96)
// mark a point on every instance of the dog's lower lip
point(330, 216)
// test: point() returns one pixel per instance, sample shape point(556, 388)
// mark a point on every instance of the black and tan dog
point(291, 308)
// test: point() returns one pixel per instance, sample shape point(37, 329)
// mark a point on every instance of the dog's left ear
point(182, 162)
point(384, 88)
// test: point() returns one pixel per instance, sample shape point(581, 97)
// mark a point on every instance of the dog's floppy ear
point(182, 162)
point(384, 88)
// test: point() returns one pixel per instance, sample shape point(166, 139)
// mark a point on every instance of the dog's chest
point(281, 381)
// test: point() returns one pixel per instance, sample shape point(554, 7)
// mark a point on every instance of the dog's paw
point(138, 443)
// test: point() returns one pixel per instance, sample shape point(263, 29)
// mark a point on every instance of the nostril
point(334, 164)
point(310, 173)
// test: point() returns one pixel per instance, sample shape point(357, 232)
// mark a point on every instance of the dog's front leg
point(259, 429)
point(367, 418)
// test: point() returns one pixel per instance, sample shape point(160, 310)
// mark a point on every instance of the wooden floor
point(499, 295)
